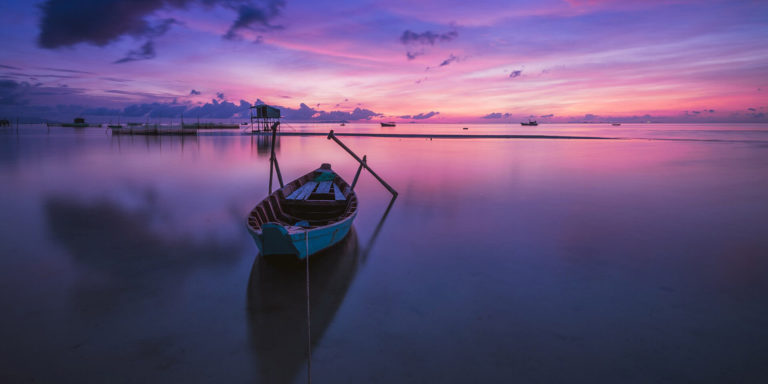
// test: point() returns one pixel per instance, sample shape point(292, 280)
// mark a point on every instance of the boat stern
point(274, 239)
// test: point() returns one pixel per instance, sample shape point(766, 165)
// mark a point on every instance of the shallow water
point(126, 259)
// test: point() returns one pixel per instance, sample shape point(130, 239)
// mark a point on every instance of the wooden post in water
point(251, 111)
point(273, 160)
point(363, 163)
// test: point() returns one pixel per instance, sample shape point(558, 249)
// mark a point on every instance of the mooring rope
point(309, 323)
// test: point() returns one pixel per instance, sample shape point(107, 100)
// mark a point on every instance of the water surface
point(126, 259)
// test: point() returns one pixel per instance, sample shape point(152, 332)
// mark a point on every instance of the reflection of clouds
point(277, 306)
point(123, 256)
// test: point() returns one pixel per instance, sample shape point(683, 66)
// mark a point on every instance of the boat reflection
point(277, 305)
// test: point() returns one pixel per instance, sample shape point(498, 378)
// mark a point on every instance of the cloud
point(35, 76)
point(102, 111)
point(220, 95)
point(145, 52)
point(66, 70)
point(752, 109)
point(414, 40)
point(18, 94)
point(195, 93)
point(14, 97)
point(449, 60)
point(10, 93)
point(64, 23)
point(427, 38)
point(157, 110)
point(420, 116)
point(699, 112)
point(249, 15)
point(69, 22)
point(547, 116)
point(515, 73)
point(221, 110)
point(412, 55)
point(9, 67)
point(307, 113)
point(496, 115)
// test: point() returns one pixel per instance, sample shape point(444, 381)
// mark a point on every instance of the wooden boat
point(530, 123)
point(306, 216)
point(390, 124)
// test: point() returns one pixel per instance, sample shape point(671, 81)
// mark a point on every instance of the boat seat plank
point(338, 195)
point(324, 187)
point(302, 192)
point(297, 192)
point(308, 191)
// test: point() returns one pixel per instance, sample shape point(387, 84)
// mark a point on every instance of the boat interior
point(316, 199)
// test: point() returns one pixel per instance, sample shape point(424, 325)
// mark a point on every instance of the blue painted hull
point(276, 239)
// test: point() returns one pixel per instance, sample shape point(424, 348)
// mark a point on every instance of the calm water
point(126, 259)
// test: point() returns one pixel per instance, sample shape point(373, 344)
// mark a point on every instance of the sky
point(426, 61)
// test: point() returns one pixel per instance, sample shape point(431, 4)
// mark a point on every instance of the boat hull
point(276, 240)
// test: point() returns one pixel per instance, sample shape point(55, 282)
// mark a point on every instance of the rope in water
point(309, 323)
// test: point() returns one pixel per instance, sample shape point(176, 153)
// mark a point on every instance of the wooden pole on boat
point(363, 163)
point(357, 175)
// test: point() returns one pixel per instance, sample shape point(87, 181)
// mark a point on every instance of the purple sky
point(485, 61)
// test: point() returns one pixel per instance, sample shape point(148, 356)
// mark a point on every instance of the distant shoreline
point(435, 135)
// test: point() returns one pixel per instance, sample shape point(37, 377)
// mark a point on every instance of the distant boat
point(530, 123)
point(615, 124)
point(465, 128)
point(389, 124)
point(342, 124)
point(306, 216)
point(78, 122)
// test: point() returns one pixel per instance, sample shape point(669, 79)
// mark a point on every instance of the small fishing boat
point(115, 126)
point(390, 124)
point(304, 217)
point(530, 123)
point(78, 122)
point(615, 124)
